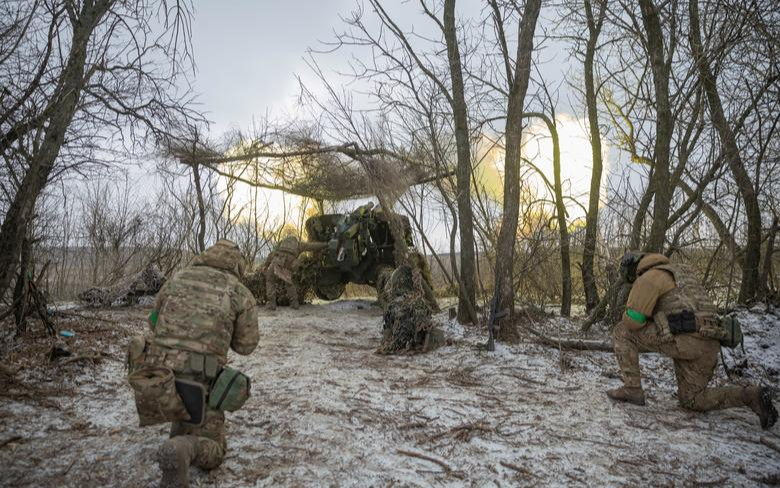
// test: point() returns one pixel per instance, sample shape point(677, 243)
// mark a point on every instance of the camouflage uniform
point(661, 290)
point(203, 311)
point(280, 266)
point(426, 283)
point(407, 320)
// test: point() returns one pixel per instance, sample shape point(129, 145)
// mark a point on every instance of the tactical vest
point(687, 296)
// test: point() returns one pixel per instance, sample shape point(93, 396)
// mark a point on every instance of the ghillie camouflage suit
point(426, 283)
point(199, 314)
point(668, 311)
point(282, 265)
point(146, 283)
point(421, 268)
point(407, 321)
point(255, 283)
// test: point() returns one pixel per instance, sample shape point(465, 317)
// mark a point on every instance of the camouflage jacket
point(289, 249)
point(204, 308)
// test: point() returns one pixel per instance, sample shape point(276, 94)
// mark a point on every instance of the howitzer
point(359, 244)
point(494, 315)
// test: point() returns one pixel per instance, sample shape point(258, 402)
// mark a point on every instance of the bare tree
point(101, 89)
point(518, 80)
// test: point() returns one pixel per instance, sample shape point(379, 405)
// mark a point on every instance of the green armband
point(153, 319)
point(636, 316)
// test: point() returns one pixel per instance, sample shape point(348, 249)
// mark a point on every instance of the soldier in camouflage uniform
point(426, 283)
point(281, 265)
point(200, 313)
point(662, 293)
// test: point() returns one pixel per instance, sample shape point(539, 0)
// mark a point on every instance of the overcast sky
point(248, 52)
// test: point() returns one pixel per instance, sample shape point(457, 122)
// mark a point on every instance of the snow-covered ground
point(327, 411)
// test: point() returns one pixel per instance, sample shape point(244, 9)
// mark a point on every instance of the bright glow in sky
point(249, 53)
point(576, 160)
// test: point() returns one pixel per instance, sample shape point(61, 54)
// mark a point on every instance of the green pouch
point(733, 332)
point(230, 391)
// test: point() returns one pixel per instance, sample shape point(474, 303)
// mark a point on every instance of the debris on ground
point(127, 292)
point(326, 410)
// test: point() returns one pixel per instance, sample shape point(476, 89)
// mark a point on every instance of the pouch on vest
point(709, 326)
point(156, 398)
point(230, 391)
point(193, 395)
point(733, 332)
point(682, 323)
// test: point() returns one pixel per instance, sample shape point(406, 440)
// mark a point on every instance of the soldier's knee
point(620, 332)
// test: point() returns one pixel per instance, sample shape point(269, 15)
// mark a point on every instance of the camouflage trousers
point(272, 282)
point(211, 439)
point(695, 359)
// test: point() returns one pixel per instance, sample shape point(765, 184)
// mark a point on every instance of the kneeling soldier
point(181, 373)
point(669, 312)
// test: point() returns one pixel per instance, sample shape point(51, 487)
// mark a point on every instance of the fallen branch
point(573, 344)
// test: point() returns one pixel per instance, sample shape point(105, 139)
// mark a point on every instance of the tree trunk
point(505, 248)
point(664, 124)
point(592, 217)
point(21, 290)
point(466, 292)
point(560, 210)
point(62, 109)
point(750, 275)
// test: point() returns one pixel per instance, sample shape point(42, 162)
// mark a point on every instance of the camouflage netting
point(128, 292)
point(408, 325)
point(255, 281)
point(304, 276)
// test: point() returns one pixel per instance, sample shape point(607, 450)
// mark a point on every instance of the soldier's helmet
point(223, 255)
point(289, 244)
point(629, 264)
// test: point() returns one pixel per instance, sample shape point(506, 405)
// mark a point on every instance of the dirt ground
point(327, 411)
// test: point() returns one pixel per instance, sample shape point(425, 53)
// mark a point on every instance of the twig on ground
point(769, 443)
point(525, 380)
point(463, 432)
point(94, 358)
point(86, 317)
point(10, 440)
point(433, 460)
point(519, 469)
point(591, 441)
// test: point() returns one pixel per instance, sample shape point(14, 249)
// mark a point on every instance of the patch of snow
point(327, 411)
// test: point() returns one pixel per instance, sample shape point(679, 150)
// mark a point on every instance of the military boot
point(759, 399)
point(175, 457)
point(628, 394)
